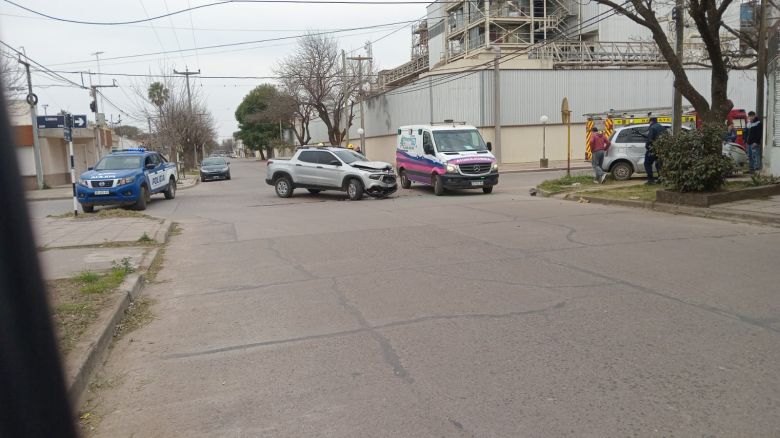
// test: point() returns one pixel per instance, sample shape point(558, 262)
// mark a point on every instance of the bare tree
point(189, 133)
point(707, 18)
point(314, 77)
point(11, 76)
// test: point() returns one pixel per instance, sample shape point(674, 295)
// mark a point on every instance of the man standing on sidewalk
point(598, 148)
point(753, 141)
point(654, 131)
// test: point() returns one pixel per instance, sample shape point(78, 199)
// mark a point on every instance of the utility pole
point(344, 92)
point(762, 62)
point(497, 104)
point(187, 73)
point(679, 28)
point(32, 100)
point(96, 109)
point(97, 57)
point(360, 60)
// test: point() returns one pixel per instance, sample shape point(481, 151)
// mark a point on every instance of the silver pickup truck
point(328, 168)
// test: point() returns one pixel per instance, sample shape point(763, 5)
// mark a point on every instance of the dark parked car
point(214, 168)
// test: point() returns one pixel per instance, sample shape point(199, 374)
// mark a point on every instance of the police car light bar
point(134, 150)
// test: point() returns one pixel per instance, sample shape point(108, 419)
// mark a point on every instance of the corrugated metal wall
point(528, 94)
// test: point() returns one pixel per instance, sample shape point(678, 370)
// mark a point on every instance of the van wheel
point(622, 171)
point(405, 183)
point(283, 186)
point(170, 192)
point(438, 186)
point(140, 204)
point(355, 189)
point(488, 189)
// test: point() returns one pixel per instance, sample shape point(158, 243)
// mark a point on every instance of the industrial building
point(548, 50)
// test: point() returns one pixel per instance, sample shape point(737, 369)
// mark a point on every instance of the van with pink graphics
point(445, 156)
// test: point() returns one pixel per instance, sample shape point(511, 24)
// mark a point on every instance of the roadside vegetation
point(103, 214)
point(567, 183)
point(77, 302)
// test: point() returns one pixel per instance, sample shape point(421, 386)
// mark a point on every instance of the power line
point(207, 5)
point(43, 67)
point(166, 76)
point(241, 43)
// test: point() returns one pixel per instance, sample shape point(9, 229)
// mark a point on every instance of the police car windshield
point(459, 141)
point(118, 162)
point(349, 157)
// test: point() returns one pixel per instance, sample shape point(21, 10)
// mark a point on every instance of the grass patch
point(566, 183)
point(145, 238)
point(637, 192)
point(78, 301)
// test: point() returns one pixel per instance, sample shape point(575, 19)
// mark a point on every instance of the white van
point(446, 156)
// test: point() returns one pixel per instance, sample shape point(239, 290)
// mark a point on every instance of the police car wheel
point(170, 192)
point(140, 204)
point(88, 208)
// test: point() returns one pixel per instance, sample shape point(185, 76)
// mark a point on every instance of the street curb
point(197, 181)
point(49, 198)
point(710, 213)
point(98, 338)
point(548, 169)
point(164, 232)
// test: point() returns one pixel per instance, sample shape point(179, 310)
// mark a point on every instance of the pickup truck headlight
point(127, 180)
point(375, 176)
point(83, 182)
point(451, 168)
point(494, 167)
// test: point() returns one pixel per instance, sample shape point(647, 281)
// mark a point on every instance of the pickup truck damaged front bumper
point(381, 191)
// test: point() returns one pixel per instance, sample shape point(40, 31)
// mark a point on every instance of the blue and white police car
point(128, 177)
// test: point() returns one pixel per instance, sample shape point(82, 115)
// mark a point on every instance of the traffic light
point(93, 106)
point(68, 121)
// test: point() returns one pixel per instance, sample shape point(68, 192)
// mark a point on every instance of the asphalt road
point(498, 315)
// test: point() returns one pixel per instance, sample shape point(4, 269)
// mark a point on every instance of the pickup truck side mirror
point(90, 168)
point(335, 163)
point(490, 146)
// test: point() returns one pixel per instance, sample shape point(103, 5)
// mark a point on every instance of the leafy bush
point(693, 161)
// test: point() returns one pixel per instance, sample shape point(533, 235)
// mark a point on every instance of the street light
point(543, 162)
point(361, 132)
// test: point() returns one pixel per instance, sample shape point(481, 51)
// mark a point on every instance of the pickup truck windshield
point(459, 141)
point(115, 162)
point(350, 157)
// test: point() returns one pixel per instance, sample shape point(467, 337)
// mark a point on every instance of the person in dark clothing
point(753, 141)
point(731, 133)
point(655, 130)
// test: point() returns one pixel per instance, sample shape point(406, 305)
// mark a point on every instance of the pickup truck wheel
point(405, 182)
point(488, 189)
point(283, 186)
point(314, 191)
point(88, 208)
point(622, 171)
point(355, 189)
point(438, 186)
point(140, 204)
point(170, 191)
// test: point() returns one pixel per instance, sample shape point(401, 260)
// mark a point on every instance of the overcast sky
point(67, 46)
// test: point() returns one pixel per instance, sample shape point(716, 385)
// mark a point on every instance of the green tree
point(259, 116)
point(158, 94)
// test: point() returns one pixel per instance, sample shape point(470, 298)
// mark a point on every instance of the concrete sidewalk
point(534, 166)
point(66, 191)
point(770, 205)
point(51, 232)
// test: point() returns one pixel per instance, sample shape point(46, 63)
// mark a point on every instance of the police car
point(128, 177)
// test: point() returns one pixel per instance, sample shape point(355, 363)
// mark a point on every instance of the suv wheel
point(622, 171)
point(355, 189)
point(283, 186)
